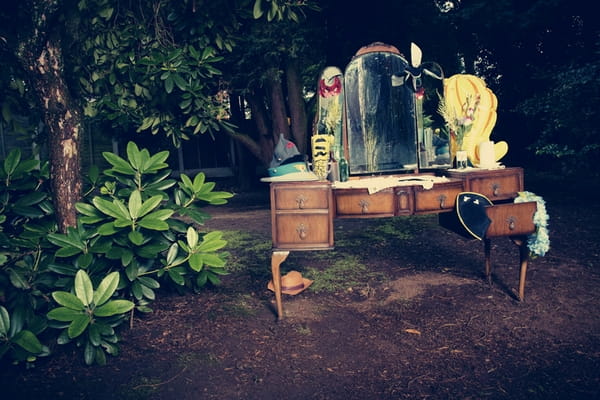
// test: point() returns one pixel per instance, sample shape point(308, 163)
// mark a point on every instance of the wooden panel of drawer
point(440, 198)
point(303, 231)
point(301, 197)
point(498, 187)
point(358, 202)
point(511, 219)
point(499, 184)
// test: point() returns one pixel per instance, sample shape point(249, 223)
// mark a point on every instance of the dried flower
point(459, 125)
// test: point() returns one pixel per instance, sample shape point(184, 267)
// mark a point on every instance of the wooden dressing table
point(373, 116)
point(303, 213)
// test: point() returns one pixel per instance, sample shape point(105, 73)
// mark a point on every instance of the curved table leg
point(521, 242)
point(276, 259)
point(523, 258)
point(488, 262)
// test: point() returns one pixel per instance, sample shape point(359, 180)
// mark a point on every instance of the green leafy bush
point(137, 231)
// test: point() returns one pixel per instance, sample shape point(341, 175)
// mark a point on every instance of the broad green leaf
point(199, 181)
point(113, 307)
point(126, 256)
point(169, 84)
point(192, 237)
point(211, 244)
point(27, 340)
point(67, 252)
point(176, 277)
point(160, 214)
point(173, 250)
point(107, 229)
point(196, 262)
point(78, 325)
point(11, 161)
point(122, 223)
point(17, 279)
point(111, 208)
point(64, 314)
point(68, 300)
point(135, 203)
point(30, 199)
point(100, 356)
point(157, 161)
point(62, 240)
point(134, 155)
point(84, 260)
point(153, 224)
point(89, 353)
point(149, 205)
point(136, 237)
point(118, 164)
point(106, 288)
point(187, 182)
point(4, 321)
point(83, 288)
point(213, 260)
point(149, 282)
point(94, 334)
point(147, 292)
point(180, 82)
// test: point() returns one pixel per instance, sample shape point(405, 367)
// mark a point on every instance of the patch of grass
point(304, 330)
point(140, 388)
point(192, 359)
point(239, 306)
point(247, 252)
point(343, 272)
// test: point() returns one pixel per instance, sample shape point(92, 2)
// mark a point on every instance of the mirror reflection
point(380, 114)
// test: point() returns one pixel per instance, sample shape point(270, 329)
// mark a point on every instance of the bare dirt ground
point(412, 319)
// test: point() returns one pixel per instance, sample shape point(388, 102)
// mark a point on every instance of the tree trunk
point(41, 56)
point(299, 123)
point(277, 104)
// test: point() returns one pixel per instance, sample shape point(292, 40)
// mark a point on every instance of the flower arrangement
point(459, 125)
point(539, 241)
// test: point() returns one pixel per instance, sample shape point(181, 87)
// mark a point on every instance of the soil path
point(415, 321)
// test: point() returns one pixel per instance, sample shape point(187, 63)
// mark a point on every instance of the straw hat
point(292, 283)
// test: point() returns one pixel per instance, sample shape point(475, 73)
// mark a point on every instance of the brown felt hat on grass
point(292, 283)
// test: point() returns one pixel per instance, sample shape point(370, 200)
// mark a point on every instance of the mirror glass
point(380, 114)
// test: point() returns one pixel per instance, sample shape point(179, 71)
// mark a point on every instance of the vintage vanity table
point(395, 170)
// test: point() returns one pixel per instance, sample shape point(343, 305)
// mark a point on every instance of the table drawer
point(303, 231)
point(301, 196)
point(511, 219)
point(500, 184)
point(441, 198)
point(358, 202)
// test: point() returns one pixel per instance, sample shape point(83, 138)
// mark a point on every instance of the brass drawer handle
point(496, 189)
point(442, 200)
point(301, 201)
point(302, 231)
point(511, 223)
point(364, 206)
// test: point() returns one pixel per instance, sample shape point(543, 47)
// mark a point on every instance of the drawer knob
point(511, 223)
point(442, 199)
point(302, 231)
point(364, 206)
point(301, 201)
point(495, 189)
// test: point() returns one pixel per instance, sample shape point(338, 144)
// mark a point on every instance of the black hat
point(470, 208)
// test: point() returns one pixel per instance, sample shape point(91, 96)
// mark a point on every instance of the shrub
point(137, 230)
